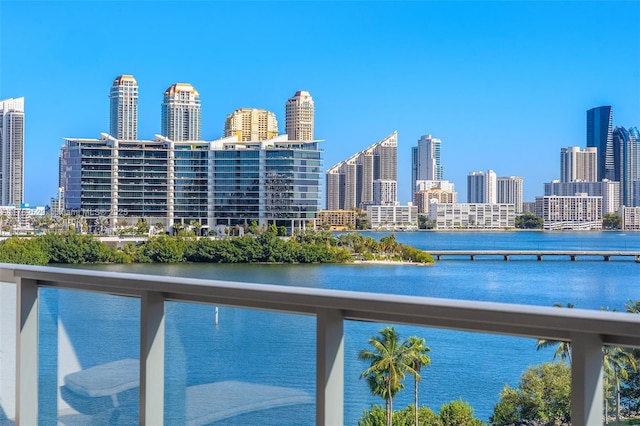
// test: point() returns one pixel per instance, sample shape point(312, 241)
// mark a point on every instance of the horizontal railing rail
point(587, 330)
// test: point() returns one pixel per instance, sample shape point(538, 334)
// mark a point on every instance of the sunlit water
point(279, 349)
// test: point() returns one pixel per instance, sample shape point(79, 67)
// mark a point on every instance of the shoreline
point(389, 262)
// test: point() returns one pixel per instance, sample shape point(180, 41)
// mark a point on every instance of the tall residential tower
point(181, 113)
point(350, 183)
point(600, 136)
point(123, 99)
point(300, 116)
point(12, 151)
point(578, 165)
point(425, 160)
point(251, 124)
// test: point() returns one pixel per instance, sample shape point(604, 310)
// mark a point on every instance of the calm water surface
point(279, 349)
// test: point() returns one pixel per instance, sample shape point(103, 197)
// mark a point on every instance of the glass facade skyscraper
point(600, 136)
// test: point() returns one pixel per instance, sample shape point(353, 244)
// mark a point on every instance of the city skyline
point(500, 83)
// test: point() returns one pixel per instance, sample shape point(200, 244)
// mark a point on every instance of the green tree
point(390, 361)
point(377, 416)
point(529, 221)
point(544, 394)
point(617, 361)
point(457, 413)
point(23, 251)
point(418, 352)
point(611, 221)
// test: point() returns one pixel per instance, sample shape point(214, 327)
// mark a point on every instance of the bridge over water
point(538, 254)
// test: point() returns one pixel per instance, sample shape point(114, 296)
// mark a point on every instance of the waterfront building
point(608, 190)
point(271, 182)
point(181, 113)
point(57, 203)
point(422, 198)
point(482, 187)
point(12, 151)
point(600, 136)
point(350, 182)
point(636, 193)
point(224, 182)
point(425, 160)
point(630, 218)
point(472, 215)
point(338, 220)
point(393, 216)
point(251, 124)
point(626, 162)
point(578, 165)
point(385, 192)
point(576, 212)
point(300, 116)
point(509, 191)
point(123, 108)
point(19, 218)
point(425, 185)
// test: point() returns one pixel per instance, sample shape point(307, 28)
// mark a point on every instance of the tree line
point(266, 247)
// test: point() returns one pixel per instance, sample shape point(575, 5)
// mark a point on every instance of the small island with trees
point(265, 246)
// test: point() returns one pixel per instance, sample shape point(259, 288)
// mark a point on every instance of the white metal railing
point(587, 330)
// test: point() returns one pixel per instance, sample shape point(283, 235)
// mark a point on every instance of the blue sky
point(504, 84)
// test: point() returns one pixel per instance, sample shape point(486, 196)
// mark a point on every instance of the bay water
point(279, 349)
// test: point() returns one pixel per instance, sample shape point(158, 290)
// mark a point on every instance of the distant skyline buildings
point(349, 183)
point(600, 136)
point(509, 191)
point(181, 113)
point(626, 162)
point(12, 151)
point(251, 124)
point(426, 160)
point(578, 164)
point(123, 108)
point(481, 187)
point(300, 117)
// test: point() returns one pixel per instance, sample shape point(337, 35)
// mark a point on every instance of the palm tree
point(616, 361)
point(390, 362)
point(633, 307)
point(418, 350)
point(563, 350)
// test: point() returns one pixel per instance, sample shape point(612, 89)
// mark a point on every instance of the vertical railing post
point(152, 359)
point(27, 352)
point(330, 368)
point(586, 379)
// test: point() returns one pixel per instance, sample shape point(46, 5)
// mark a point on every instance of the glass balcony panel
point(7, 352)
point(251, 368)
point(89, 348)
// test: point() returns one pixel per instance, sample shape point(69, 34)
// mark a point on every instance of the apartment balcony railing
point(587, 330)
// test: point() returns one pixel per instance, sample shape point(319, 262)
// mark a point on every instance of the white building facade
point(482, 187)
point(577, 212)
point(12, 151)
point(509, 191)
point(578, 165)
point(123, 103)
point(608, 190)
point(472, 215)
point(393, 216)
point(630, 218)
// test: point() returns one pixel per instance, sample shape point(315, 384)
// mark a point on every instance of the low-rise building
point(630, 218)
point(337, 219)
point(393, 217)
point(577, 212)
point(472, 215)
point(422, 198)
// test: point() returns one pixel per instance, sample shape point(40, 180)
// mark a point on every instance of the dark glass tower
point(600, 136)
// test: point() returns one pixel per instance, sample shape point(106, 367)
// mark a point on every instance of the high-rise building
point(425, 160)
point(300, 117)
point(600, 136)
point(181, 113)
point(251, 124)
point(607, 189)
point(481, 187)
point(578, 165)
point(350, 182)
point(385, 192)
point(123, 99)
point(509, 191)
point(626, 162)
point(12, 151)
